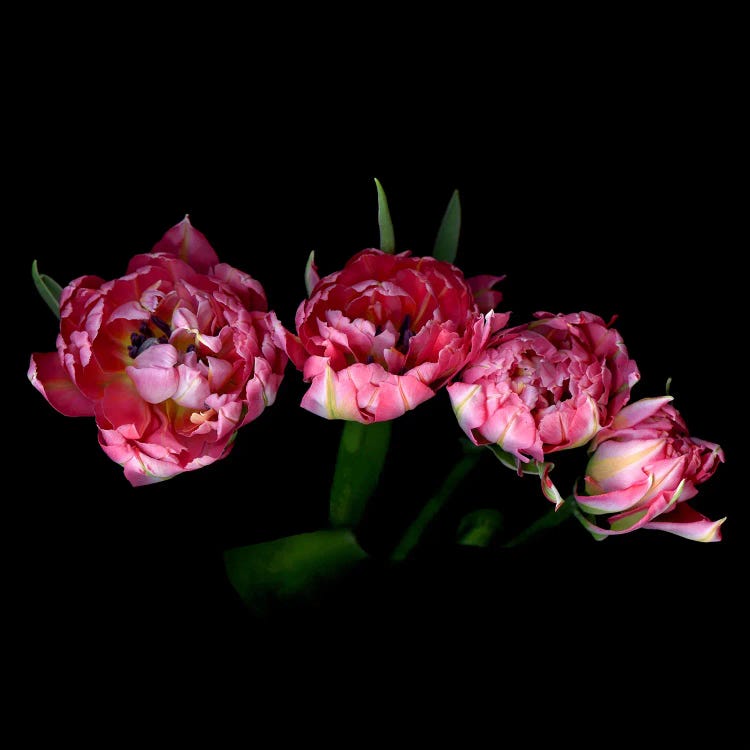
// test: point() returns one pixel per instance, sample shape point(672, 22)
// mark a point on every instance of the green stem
point(362, 453)
point(433, 506)
point(548, 521)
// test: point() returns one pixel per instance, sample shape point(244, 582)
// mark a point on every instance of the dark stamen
point(163, 340)
point(133, 351)
point(136, 339)
point(191, 348)
point(405, 325)
point(161, 325)
point(145, 330)
point(404, 335)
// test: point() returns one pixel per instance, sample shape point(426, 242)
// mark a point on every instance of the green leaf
point(477, 528)
point(299, 566)
point(446, 243)
point(434, 505)
point(548, 521)
point(387, 238)
point(48, 289)
point(362, 453)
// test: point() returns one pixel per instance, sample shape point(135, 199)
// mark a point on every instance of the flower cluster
point(175, 356)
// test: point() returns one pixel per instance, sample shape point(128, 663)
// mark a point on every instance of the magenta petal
point(126, 411)
point(481, 286)
point(49, 377)
point(188, 244)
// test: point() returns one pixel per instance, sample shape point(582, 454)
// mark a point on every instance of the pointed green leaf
point(48, 289)
point(387, 238)
point(362, 453)
point(299, 566)
point(479, 527)
point(446, 244)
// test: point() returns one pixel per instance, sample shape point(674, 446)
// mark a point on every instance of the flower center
point(144, 337)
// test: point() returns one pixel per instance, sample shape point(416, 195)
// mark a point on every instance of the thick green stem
point(434, 505)
point(362, 453)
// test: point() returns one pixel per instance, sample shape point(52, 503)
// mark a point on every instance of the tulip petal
point(617, 500)
point(188, 244)
point(50, 378)
point(126, 411)
point(686, 522)
point(154, 384)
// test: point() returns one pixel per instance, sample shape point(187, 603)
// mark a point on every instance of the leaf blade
point(292, 567)
point(387, 237)
point(446, 242)
point(49, 290)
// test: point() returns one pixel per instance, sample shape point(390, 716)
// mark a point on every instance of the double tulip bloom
point(545, 386)
point(171, 359)
point(644, 468)
point(386, 332)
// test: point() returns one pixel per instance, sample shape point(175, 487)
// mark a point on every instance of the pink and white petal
point(638, 411)
point(192, 388)
point(617, 500)
point(50, 378)
point(154, 384)
point(512, 427)
point(569, 426)
point(397, 395)
point(617, 464)
point(686, 522)
point(469, 403)
point(188, 244)
point(159, 355)
point(625, 522)
point(333, 396)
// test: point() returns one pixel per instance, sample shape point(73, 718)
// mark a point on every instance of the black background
point(611, 194)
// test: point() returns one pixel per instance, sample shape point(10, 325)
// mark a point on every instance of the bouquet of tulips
point(179, 353)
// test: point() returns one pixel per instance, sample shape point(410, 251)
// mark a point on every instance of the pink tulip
point(545, 386)
point(386, 332)
point(170, 361)
point(644, 468)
